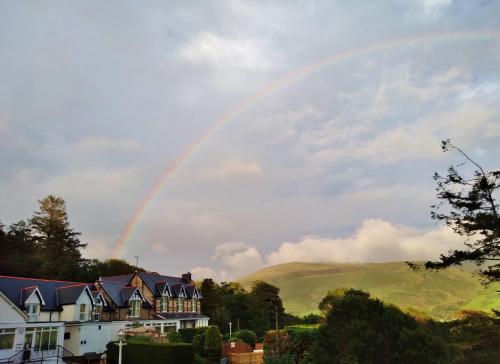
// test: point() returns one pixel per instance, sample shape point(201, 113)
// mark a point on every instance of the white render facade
point(48, 320)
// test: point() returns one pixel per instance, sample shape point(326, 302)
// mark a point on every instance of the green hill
point(439, 294)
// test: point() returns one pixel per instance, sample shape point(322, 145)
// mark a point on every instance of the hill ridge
point(439, 294)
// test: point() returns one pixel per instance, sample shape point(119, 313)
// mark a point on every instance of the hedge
point(151, 353)
point(187, 335)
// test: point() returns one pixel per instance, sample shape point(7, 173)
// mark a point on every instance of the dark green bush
point(213, 344)
point(174, 337)
point(187, 334)
point(246, 336)
point(151, 353)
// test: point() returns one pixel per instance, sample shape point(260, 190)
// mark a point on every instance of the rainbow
point(289, 79)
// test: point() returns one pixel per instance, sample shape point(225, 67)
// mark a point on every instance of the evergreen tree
point(4, 252)
point(24, 255)
point(468, 206)
point(58, 243)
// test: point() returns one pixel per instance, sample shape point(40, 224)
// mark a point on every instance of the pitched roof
point(128, 292)
point(151, 280)
point(113, 291)
point(26, 293)
point(124, 278)
point(18, 289)
point(190, 291)
point(68, 295)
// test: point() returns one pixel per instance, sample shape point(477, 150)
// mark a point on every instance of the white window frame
point(84, 312)
point(33, 311)
point(8, 332)
point(180, 304)
point(164, 303)
point(38, 335)
point(132, 308)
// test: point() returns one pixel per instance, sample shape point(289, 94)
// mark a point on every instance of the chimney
point(187, 277)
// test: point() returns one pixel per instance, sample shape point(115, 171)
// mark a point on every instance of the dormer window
point(193, 304)
point(33, 311)
point(180, 305)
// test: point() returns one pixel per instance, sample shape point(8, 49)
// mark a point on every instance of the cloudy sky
point(98, 98)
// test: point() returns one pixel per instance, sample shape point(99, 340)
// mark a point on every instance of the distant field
point(439, 294)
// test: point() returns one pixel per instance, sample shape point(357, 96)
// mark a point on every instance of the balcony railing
point(56, 352)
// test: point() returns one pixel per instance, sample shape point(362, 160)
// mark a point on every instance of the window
point(135, 308)
point(45, 337)
point(180, 305)
point(164, 304)
point(193, 304)
point(7, 338)
point(33, 311)
point(83, 312)
point(96, 314)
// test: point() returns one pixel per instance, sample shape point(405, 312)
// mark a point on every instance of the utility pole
point(230, 329)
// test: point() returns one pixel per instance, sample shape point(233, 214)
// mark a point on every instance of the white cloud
point(238, 258)
point(376, 240)
point(200, 273)
point(225, 53)
point(104, 144)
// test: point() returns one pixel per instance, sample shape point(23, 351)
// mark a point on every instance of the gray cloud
point(97, 99)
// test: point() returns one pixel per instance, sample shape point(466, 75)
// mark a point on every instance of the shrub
point(198, 359)
point(246, 336)
point(199, 340)
point(187, 335)
point(286, 358)
point(276, 343)
point(151, 353)
point(174, 337)
point(213, 344)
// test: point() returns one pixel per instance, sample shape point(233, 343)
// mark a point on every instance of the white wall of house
point(11, 318)
point(72, 312)
point(49, 316)
point(91, 336)
point(72, 340)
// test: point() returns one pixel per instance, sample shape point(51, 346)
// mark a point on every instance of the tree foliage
point(360, 329)
point(213, 344)
point(46, 246)
point(467, 204)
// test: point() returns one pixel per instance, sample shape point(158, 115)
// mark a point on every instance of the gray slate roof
point(12, 287)
point(68, 295)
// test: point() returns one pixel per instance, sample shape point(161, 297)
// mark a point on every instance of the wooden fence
point(246, 358)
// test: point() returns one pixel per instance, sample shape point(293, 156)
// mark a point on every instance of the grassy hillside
point(303, 285)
